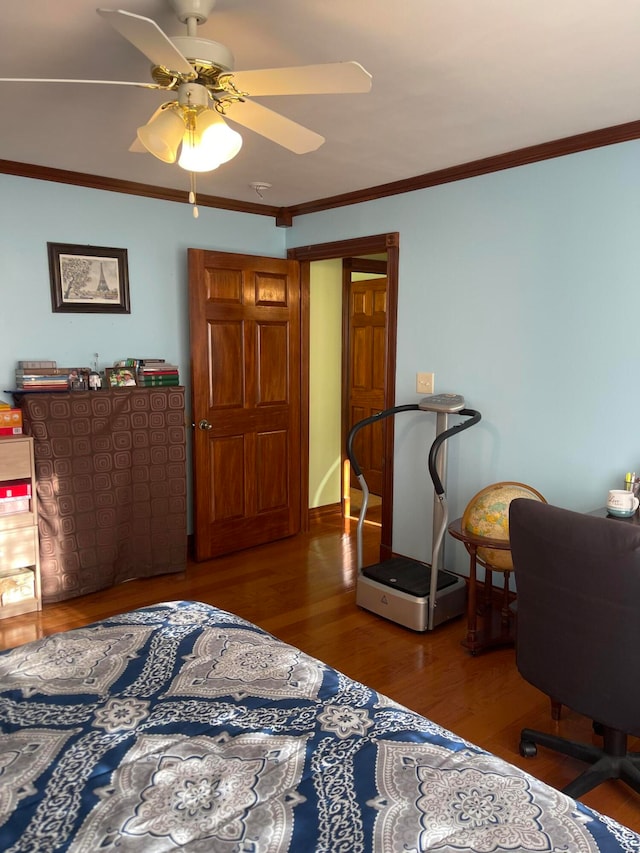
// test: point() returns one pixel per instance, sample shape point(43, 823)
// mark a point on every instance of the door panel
point(245, 353)
point(272, 367)
point(272, 467)
point(226, 388)
point(226, 475)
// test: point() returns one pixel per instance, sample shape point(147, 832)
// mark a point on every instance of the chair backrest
point(578, 605)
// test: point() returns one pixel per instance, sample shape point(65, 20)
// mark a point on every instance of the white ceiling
point(453, 81)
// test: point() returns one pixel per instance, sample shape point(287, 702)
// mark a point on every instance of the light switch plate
point(425, 383)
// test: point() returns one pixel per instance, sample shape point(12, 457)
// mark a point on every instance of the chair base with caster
point(611, 761)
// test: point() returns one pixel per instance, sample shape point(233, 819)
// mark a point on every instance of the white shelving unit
point(19, 548)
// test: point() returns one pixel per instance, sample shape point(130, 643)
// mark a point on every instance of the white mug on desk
point(620, 502)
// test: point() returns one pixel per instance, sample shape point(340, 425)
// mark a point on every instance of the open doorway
point(363, 251)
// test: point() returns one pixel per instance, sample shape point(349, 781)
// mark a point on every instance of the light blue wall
point(520, 290)
point(156, 235)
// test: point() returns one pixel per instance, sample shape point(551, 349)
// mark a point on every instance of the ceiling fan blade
point(96, 82)
point(147, 36)
point(274, 126)
point(333, 78)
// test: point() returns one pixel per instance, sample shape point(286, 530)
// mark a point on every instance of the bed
point(184, 727)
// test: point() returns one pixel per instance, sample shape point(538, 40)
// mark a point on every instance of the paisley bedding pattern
point(184, 727)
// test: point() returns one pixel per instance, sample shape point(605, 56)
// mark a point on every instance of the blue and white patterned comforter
point(183, 727)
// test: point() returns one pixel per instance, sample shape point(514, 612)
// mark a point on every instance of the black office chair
point(578, 630)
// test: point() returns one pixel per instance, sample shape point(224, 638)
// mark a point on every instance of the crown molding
point(509, 160)
point(284, 216)
point(98, 182)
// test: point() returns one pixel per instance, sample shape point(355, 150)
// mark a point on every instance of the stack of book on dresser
point(156, 372)
point(47, 376)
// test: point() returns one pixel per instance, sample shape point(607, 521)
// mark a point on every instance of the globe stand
point(484, 531)
point(497, 625)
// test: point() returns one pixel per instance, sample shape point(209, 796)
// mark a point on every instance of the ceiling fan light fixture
point(209, 143)
point(217, 135)
point(194, 159)
point(162, 135)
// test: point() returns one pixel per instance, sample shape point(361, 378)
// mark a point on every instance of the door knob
point(204, 424)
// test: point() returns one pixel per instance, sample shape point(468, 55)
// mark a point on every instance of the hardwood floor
point(302, 590)
point(374, 507)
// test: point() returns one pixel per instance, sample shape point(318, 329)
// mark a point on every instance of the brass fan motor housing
point(205, 73)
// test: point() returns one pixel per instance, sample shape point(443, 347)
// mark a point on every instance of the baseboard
point(322, 511)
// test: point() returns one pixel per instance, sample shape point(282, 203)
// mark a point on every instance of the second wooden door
point(367, 365)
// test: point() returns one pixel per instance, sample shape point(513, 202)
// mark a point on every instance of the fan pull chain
point(191, 130)
point(192, 195)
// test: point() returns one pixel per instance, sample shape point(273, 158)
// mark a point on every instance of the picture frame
point(88, 279)
point(79, 379)
point(120, 377)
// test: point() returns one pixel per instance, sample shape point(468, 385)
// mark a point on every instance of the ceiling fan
point(205, 90)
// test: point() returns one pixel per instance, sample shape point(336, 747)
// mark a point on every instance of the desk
point(601, 512)
point(497, 627)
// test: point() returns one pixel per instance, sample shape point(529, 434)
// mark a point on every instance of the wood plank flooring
point(302, 590)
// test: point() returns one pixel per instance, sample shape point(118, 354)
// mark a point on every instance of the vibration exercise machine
point(416, 595)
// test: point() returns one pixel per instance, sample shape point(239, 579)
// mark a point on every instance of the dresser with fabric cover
point(111, 484)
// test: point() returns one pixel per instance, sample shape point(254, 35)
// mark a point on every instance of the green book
point(148, 381)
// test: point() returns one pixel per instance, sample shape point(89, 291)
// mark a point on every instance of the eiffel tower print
point(103, 287)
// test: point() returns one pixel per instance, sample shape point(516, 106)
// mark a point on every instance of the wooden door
point(245, 375)
point(366, 383)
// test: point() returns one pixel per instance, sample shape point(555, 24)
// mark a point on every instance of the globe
point(487, 515)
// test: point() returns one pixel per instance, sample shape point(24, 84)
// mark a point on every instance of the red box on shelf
point(15, 489)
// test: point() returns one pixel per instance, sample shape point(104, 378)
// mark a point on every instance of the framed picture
point(79, 379)
point(88, 279)
point(120, 377)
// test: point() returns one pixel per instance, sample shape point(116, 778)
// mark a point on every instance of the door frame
point(375, 244)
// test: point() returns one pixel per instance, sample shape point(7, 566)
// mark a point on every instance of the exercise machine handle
point(473, 418)
point(385, 413)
